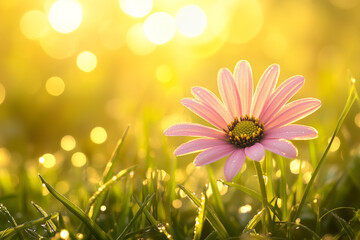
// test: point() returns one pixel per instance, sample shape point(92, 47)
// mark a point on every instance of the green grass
point(148, 202)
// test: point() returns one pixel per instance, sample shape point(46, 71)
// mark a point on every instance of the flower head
point(246, 123)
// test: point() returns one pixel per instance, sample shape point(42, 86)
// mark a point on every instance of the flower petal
point(229, 92)
point(293, 111)
point(280, 146)
point(193, 130)
point(212, 101)
point(292, 132)
point(198, 145)
point(281, 96)
point(264, 88)
point(234, 163)
point(244, 81)
point(213, 154)
point(204, 112)
point(256, 152)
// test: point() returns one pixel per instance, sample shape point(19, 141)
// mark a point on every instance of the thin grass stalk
point(351, 99)
point(266, 220)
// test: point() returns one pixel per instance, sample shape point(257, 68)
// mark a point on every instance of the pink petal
point(204, 112)
point(280, 97)
point(256, 152)
point(213, 154)
point(294, 111)
point(229, 92)
point(212, 101)
point(280, 146)
point(233, 164)
point(194, 130)
point(264, 88)
point(198, 145)
point(292, 132)
point(244, 82)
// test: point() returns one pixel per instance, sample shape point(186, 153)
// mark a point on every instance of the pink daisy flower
point(246, 123)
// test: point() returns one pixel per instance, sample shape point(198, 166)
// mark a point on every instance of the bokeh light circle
point(68, 143)
point(136, 8)
point(191, 21)
point(86, 61)
point(138, 42)
point(34, 24)
point(98, 135)
point(2, 93)
point(55, 86)
point(65, 15)
point(78, 159)
point(160, 28)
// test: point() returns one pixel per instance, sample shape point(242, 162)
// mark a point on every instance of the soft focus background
point(75, 74)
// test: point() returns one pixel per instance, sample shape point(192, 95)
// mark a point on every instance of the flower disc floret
point(245, 132)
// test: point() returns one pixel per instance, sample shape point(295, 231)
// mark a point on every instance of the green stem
point(265, 203)
point(351, 99)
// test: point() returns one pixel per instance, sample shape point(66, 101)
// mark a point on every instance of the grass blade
point(107, 175)
point(94, 228)
point(106, 186)
point(11, 231)
point(212, 236)
point(342, 222)
point(138, 213)
point(10, 218)
point(254, 221)
point(351, 99)
point(268, 169)
point(215, 192)
point(210, 216)
point(244, 189)
point(283, 194)
point(49, 224)
point(200, 219)
point(302, 226)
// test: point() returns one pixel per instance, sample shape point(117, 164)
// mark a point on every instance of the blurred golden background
point(74, 74)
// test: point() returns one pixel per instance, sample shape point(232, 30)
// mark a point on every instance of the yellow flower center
point(245, 132)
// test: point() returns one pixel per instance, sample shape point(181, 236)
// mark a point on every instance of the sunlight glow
point(65, 15)
point(64, 234)
point(159, 28)
point(98, 135)
point(86, 61)
point(138, 42)
point(47, 160)
point(295, 166)
point(55, 86)
point(245, 209)
point(68, 143)
point(78, 159)
point(136, 8)
point(34, 24)
point(191, 21)
point(164, 73)
point(103, 208)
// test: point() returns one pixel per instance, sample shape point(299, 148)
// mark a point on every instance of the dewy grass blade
point(341, 221)
point(11, 231)
point(269, 168)
point(138, 213)
point(200, 219)
point(351, 99)
point(302, 226)
point(107, 175)
point(10, 218)
point(244, 189)
point(94, 228)
point(51, 227)
point(109, 183)
point(283, 194)
point(254, 221)
point(210, 214)
point(216, 194)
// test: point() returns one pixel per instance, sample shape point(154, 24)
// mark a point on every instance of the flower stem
point(267, 218)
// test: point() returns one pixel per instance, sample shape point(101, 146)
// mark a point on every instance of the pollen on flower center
point(245, 132)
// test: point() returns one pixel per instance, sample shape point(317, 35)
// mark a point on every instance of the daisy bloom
point(246, 123)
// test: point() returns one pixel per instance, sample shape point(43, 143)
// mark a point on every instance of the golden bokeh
point(86, 61)
point(2, 93)
point(55, 86)
point(78, 159)
point(98, 135)
point(65, 15)
point(164, 73)
point(137, 41)
point(48, 160)
point(159, 28)
point(136, 8)
point(68, 143)
point(191, 21)
point(34, 24)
